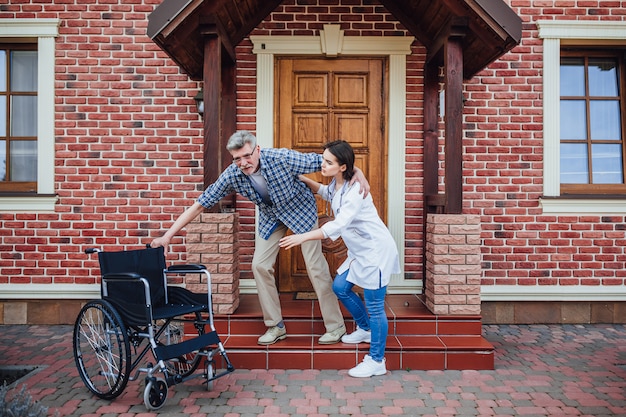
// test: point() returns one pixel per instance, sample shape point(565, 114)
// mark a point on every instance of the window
point(18, 118)
point(583, 132)
point(27, 49)
point(591, 128)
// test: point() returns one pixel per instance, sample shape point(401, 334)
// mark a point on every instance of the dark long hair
point(344, 154)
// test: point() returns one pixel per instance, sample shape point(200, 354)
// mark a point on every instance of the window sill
point(594, 205)
point(30, 204)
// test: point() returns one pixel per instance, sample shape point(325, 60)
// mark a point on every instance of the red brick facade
point(128, 148)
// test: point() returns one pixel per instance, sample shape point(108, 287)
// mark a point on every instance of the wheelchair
point(140, 314)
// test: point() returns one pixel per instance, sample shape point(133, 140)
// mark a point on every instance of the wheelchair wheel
point(183, 365)
point(102, 349)
point(155, 393)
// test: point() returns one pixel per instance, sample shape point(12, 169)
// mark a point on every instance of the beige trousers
point(263, 262)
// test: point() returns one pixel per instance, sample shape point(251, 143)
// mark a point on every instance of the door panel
point(320, 100)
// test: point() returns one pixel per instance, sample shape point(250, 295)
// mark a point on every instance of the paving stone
point(541, 370)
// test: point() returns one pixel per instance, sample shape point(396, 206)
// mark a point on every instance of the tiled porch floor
point(417, 338)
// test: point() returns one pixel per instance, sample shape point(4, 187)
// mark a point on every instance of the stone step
point(417, 339)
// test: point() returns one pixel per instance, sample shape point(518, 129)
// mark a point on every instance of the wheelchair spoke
point(101, 349)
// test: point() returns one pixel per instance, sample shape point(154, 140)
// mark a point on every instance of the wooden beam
point(456, 27)
point(212, 76)
point(431, 128)
point(229, 123)
point(453, 79)
point(212, 27)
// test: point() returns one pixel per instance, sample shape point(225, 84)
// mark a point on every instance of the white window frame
point(557, 33)
point(43, 31)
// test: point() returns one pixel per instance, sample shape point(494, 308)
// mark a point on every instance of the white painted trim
point(312, 45)
point(580, 206)
point(553, 293)
point(394, 47)
point(45, 115)
point(44, 30)
point(555, 33)
point(29, 28)
point(551, 112)
point(28, 204)
point(395, 163)
point(581, 29)
point(50, 291)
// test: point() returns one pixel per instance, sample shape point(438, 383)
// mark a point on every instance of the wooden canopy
point(178, 27)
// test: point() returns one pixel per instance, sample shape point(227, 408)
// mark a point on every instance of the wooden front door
point(320, 100)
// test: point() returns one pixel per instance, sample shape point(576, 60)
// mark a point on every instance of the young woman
point(372, 254)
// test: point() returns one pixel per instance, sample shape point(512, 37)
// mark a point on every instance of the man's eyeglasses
point(247, 156)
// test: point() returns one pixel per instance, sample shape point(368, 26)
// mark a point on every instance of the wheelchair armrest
point(122, 276)
point(187, 268)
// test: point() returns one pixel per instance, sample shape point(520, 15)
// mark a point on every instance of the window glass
point(24, 116)
point(573, 119)
point(18, 117)
point(574, 168)
point(23, 160)
point(591, 128)
point(24, 71)
point(602, 77)
point(605, 119)
point(3, 160)
point(572, 77)
point(3, 71)
point(3, 118)
point(607, 163)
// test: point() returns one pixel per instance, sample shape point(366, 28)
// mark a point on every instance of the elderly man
point(269, 178)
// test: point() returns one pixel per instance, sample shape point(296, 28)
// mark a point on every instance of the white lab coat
point(372, 252)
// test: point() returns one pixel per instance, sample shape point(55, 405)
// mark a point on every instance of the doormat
point(305, 295)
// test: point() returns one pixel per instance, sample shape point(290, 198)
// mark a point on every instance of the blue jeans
point(370, 316)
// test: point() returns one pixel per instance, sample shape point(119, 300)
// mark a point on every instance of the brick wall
point(129, 147)
point(128, 144)
point(503, 170)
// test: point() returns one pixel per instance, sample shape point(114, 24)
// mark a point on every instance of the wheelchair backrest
point(148, 263)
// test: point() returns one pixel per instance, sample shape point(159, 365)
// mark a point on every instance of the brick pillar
point(213, 240)
point(453, 269)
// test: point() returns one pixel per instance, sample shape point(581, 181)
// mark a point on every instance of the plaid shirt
point(292, 202)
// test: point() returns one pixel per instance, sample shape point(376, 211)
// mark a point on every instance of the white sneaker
point(368, 368)
point(358, 336)
point(273, 335)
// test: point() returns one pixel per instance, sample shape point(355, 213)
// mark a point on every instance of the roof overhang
point(180, 26)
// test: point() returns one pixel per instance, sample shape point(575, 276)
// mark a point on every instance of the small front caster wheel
point(210, 374)
point(155, 394)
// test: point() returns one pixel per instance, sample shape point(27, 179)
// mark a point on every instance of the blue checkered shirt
point(292, 202)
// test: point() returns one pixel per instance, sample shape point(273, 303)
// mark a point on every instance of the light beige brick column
point(213, 240)
point(453, 267)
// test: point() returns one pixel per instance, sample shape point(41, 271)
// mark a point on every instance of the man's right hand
point(160, 241)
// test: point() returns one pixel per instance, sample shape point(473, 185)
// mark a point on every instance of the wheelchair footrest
point(166, 352)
